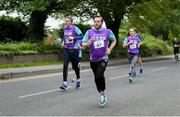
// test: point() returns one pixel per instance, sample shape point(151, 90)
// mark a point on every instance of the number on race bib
point(67, 41)
point(99, 44)
point(133, 46)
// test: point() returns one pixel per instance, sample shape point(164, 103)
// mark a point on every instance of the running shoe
point(73, 80)
point(130, 79)
point(141, 71)
point(78, 84)
point(103, 101)
point(64, 86)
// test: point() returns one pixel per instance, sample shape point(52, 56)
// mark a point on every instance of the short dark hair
point(98, 16)
point(135, 29)
point(69, 17)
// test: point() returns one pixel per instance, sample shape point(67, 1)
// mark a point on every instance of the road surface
point(155, 93)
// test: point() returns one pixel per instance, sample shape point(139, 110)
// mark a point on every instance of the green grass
point(16, 65)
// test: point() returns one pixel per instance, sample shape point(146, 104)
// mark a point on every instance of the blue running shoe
point(78, 84)
point(141, 71)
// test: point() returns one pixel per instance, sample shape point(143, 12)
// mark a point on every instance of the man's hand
point(84, 45)
point(139, 45)
point(108, 51)
point(70, 38)
point(129, 43)
point(89, 42)
point(62, 45)
point(176, 45)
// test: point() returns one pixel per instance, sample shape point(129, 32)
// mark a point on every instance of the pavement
point(29, 71)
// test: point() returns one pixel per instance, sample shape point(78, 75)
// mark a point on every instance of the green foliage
point(12, 28)
point(151, 46)
point(154, 46)
point(37, 11)
point(14, 65)
point(13, 48)
point(83, 27)
point(158, 17)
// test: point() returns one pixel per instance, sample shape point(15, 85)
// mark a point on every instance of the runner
point(132, 43)
point(70, 43)
point(80, 56)
point(97, 39)
point(139, 55)
point(176, 45)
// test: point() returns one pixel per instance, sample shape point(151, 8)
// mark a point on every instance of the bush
point(155, 46)
point(13, 48)
point(151, 46)
point(12, 29)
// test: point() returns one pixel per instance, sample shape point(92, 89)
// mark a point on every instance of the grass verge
point(16, 65)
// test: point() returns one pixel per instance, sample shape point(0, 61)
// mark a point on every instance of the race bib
point(99, 44)
point(133, 46)
point(67, 41)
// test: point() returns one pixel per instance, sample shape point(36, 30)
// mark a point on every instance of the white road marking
point(117, 77)
point(69, 87)
point(43, 92)
point(57, 74)
point(159, 69)
point(53, 90)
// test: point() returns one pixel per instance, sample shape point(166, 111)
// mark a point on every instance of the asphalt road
point(155, 93)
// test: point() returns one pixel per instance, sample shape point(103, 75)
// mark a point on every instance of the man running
point(97, 39)
point(133, 44)
point(80, 56)
point(70, 43)
point(139, 55)
point(176, 46)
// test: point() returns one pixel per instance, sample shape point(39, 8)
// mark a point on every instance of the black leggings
point(73, 56)
point(98, 69)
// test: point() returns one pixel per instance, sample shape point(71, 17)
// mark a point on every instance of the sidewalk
point(28, 71)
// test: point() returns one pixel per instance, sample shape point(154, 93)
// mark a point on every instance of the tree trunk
point(114, 25)
point(36, 25)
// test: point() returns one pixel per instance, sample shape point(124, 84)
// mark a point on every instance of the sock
point(78, 80)
point(103, 93)
point(65, 83)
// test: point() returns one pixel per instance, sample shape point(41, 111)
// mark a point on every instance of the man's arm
point(113, 43)
point(79, 34)
point(86, 42)
point(126, 43)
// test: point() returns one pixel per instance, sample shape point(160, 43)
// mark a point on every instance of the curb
point(85, 65)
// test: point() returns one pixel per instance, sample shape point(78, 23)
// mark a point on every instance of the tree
point(159, 17)
point(113, 11)
point(37, 12)
point(12, 29)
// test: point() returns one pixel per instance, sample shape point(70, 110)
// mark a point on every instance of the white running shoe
point(103, 101)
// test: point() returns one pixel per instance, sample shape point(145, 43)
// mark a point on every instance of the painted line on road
point(112, 78)
point(159, 69)
point(59, 74)
point(53, 90)
point(43, 92)
point(117, 77)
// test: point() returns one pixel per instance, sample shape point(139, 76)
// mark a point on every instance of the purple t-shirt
point(99, 43)
point(70, 31)
point(133, 48)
